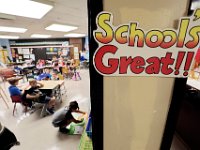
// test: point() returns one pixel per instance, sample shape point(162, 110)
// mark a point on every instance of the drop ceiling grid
point(64, 12)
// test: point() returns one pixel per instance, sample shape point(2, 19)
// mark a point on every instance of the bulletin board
point(20, 54)
point(3, 56)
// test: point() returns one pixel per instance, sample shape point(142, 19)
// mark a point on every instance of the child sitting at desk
point(36, 95)
point(61, 64)
point(44, 76)
point(73, 66)
point(15, 91)
point(17, 69)
point(56, 67)
point(55, 75)
point(40, 63)
point(54, 59)
point(63, 117)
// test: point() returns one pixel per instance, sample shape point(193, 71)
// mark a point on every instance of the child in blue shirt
point(44, 76)
point(13, 89)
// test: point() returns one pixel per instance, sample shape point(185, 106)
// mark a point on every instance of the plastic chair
point(7, 73)
point(62, 78)
point(17, 99)
point(65, 71)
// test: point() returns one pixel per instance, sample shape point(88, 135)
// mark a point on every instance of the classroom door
point(139, 106)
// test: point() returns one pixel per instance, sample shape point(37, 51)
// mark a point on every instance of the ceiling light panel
point(61, 28)
point(24, 8)
point(74, 35)
point(40, 36)
point(8, 37)
point(12, 29)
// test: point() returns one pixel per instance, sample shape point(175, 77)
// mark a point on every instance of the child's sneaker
point(32, 110)
point(50, 111)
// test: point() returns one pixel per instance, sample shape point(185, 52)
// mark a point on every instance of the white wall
point(135, 108)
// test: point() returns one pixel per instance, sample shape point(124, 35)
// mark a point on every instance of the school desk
point(50, 86)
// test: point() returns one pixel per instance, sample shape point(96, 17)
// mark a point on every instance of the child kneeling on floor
point(63, 117)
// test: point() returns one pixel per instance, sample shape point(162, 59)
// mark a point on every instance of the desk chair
point(6, 73)
point(65, 71)
point(63, 84)
point(18, 99)
point(28, 73)
point(60, 76)
point(36, 71)
point(81, 65)
point(44, 106)
point(43, 111)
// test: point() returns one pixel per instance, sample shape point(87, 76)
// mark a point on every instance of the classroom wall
point(5, 42)
point(136, 108)
point(76, 42)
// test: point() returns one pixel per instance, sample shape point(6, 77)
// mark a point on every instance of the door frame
point(96, 80)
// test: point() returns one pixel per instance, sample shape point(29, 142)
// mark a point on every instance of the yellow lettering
point(118, 34)
point(195, 37)
point(107, 36)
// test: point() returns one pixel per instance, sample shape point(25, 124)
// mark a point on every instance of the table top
point(48, 85)
point(48, 66)
point(51, 84)
point(16, 77)
point(193, 83)
point(16, 63)
point(26, 67)
point(43, 67)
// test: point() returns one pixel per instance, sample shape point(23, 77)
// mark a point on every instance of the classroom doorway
point(70, 81)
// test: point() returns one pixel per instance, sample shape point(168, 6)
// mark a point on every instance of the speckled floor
point(37, 133)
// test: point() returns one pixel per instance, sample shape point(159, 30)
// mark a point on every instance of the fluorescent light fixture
point(61, 28)
point(8, 37)
point(40, 36)
point(12, 29)
point(24, 8)
point(74, 35)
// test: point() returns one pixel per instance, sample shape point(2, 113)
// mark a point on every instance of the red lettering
point(166, 61)
point(124, 62)
point(154, 67)
point(112, 63)
point(137, 65)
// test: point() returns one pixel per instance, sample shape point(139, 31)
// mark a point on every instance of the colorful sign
point(129, 50)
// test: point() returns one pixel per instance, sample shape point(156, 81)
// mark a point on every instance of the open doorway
point(185, 107)
point(61, 33)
